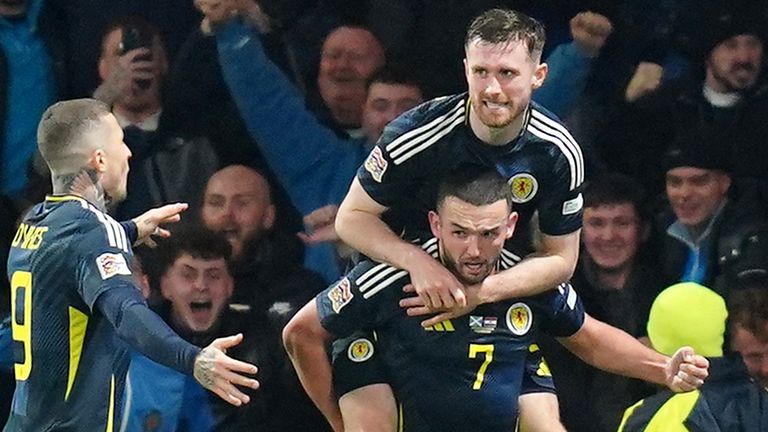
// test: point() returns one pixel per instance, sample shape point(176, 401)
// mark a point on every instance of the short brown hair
point(497, 26)
point(475, 185)
point(63, 125)
point(748, 308)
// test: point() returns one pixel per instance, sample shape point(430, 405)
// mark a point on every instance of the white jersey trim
point(414, 141)
point(115, 233)
point(546, 129)
point(381, 276)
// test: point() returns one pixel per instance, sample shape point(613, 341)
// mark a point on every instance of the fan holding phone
point(136, 37)
point(132, 66)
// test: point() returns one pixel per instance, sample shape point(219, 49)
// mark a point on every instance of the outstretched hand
point(686, 371)
point(148, 224)
point(221, 374)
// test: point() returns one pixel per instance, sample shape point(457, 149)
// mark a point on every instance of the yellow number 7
point(21, 326)
point(474, 350)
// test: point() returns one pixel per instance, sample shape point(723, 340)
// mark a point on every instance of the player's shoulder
point(543, 125)
point(56, 210)
point(545, 128)
point(542, 111)
point(433, 115)
point(96, 226)
point(370, 278)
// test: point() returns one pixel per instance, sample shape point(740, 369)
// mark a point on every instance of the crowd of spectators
point(260, 120)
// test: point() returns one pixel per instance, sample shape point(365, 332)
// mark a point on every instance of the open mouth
point(230, 233)
point(475, 267)
point(201, 306)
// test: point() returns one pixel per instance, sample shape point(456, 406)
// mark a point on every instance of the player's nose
point(473, 246)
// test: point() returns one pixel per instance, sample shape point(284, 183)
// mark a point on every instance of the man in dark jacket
point(267, 269)
point(617, 283)
point(725, 101)
point(168, 164)
point(707, 209)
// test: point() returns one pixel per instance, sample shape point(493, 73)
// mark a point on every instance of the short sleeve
point(361, 301)
point(560, 211)
point(563, 171)
point(564, 311)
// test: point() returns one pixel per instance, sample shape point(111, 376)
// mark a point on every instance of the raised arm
point(313, 163)
point(570, 64)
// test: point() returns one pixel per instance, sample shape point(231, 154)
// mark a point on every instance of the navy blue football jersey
point(69, 363)
point(351, 373)
point(462, 374)
point(544, 166)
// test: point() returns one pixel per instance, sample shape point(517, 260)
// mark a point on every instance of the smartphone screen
point(134, 37)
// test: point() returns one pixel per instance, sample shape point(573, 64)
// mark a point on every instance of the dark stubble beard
point(453, 267)
point(731, 84)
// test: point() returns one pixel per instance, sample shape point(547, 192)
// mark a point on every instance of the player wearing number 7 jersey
point(74, 303)
point(465, 373)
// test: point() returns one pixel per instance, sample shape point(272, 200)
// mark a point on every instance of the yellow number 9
point(21, 325)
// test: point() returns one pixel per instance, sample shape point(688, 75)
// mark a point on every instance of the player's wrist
point(485, 293)
point(414, 259)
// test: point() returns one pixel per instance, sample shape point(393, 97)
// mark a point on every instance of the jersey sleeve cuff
point(131, 230)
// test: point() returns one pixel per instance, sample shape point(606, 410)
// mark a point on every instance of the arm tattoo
point(84, 183)
point(204, 367)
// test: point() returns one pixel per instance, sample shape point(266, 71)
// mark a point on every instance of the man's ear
point(99, 160)
point(164, 291)
point(434, 223)
point(725, 182)
point(269, 217)
point(230, 288)
point(103, 69)
point(539, 75)
point(511, 223)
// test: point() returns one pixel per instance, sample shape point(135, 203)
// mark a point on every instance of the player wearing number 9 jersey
point(70, 364)
point(75, 308)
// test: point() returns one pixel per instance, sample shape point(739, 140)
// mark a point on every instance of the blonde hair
point(60, 132)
